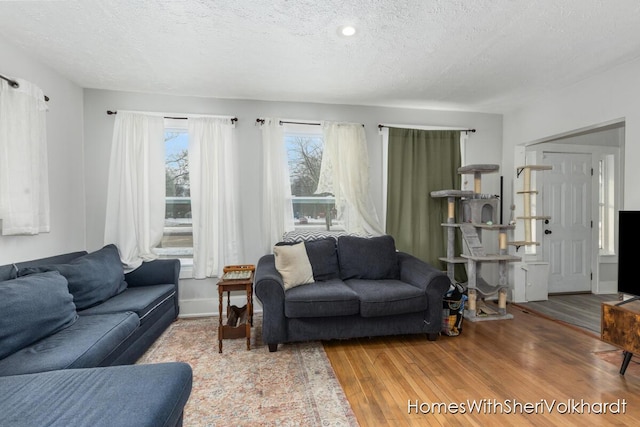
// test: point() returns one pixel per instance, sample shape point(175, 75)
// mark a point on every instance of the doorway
point(582, 194)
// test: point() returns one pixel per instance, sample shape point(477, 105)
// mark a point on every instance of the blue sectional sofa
point(64, 316)
point(346, 288)
point(117, 396)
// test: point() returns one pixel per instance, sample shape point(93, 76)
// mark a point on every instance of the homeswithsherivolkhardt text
point(514, 406)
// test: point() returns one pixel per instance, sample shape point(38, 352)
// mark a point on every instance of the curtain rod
point(380, 126)
point(233, 119)
point(14, 84)
point(283, 122)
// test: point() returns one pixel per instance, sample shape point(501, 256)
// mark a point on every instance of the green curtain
point(422, 161)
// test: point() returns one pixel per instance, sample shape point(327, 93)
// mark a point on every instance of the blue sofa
point(117, 396)
point(359, 287)
point(62, 317)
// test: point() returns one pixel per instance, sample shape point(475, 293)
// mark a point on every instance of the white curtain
point(136, 193)
point(277, 207)
point(214, 195)
point(24, 182)
point(345, 173)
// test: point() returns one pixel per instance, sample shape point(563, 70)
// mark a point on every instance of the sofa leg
point(432, 336)
point(273, 347)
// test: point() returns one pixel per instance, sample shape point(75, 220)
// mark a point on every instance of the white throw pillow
point(293, 265)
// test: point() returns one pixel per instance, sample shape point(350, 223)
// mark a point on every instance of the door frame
point(566, 144)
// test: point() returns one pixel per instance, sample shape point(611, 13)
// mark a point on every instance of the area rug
point(615, 357)
point(295, 386)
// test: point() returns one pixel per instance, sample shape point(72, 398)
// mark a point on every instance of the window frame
point(181, 126)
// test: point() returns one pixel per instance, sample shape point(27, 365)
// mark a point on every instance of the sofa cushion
point(387, 297)
point(93, 278)
point(139, 395)
point(293, 265)
point(140, 300)
point(85, 344)
point(32, 308)
point(367, 258)
point(321, 299)
point(323, 257)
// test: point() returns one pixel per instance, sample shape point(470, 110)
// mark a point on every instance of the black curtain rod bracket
point(14, 84)
point(110, 113)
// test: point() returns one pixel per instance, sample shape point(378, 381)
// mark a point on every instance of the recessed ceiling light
point(347, 31)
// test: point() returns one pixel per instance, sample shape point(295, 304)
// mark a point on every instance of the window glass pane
point(606, 204)
point(177, 240)
point(310, 210)
point(610, 204)
point(601, 202)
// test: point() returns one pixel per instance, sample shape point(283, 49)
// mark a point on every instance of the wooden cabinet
point(620, 326)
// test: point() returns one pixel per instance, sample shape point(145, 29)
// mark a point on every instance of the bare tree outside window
point(310, 210)
point(177, 240)
point(177, 169)
point(305, 158)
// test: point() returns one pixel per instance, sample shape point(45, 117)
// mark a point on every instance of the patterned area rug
point(295, 386)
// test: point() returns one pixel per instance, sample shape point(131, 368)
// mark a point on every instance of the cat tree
point(479, 212)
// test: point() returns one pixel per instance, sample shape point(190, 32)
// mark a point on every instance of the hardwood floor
point(501, 365)
point(580, 310)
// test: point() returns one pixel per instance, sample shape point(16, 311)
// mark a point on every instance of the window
point(606, 204)
point(311, 211)
point(177, 240)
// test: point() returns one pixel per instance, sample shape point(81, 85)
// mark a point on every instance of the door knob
point(547, 231)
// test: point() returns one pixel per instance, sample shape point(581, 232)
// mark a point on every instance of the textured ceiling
point(477, 55)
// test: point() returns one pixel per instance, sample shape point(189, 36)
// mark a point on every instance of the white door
point(566, 237)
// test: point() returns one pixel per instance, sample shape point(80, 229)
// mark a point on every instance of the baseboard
point(209, 307)
point(607, 287)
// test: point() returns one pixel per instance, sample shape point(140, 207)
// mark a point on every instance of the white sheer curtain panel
point(136, 194)
point(24, 181)
point(277, 207)
point(213, 178)
point(345, 173)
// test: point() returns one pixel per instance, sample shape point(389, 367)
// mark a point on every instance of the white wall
point(608, 97)
point(613, 96)
point(66, 177)
point(200, 297)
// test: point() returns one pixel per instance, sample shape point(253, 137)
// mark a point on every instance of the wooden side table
point(619, 326)
point(242, 330)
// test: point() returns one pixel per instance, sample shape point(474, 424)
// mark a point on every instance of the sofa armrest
point(269, 288)
point(156, 272)
point(424, 275)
